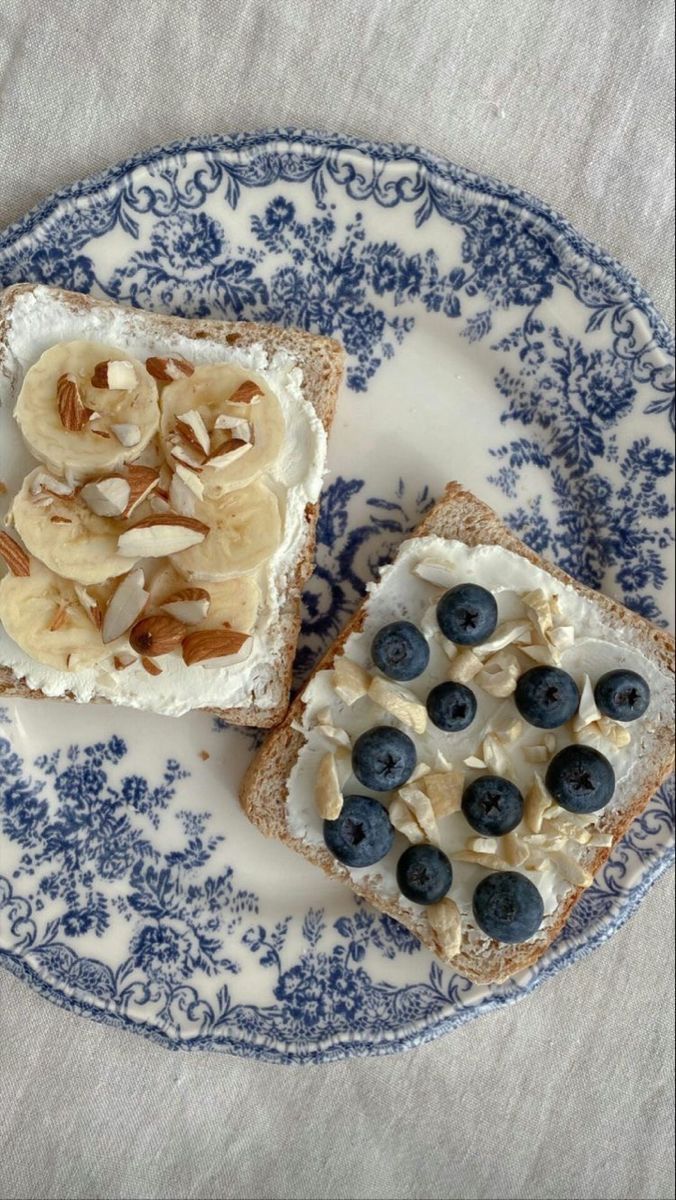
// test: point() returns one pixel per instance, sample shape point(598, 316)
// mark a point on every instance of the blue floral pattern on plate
point(124, 892)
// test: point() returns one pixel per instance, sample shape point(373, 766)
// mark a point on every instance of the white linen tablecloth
point(569, 1093)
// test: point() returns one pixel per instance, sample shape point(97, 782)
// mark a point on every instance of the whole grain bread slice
point(321, 360)
point(461, 516)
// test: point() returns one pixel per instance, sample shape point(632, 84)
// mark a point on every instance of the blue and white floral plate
point(486, 341)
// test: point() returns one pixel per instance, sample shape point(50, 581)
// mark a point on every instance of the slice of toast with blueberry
point(475, 743)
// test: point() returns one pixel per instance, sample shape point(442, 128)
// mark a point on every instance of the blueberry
point(622, 695)
point(451, 706)
point(383, 758)
point(492, 805)
point(547, 697)
point(400, 651)
point(507, 906)
point(362, 834)
point(468, 614)
point(424, 874)
point(580, 779)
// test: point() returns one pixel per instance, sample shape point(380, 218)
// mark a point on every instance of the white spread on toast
point(292, 477)
point(539, 619)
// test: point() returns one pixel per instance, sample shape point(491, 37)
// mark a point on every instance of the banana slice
point(245, 527)
point(230, 443)
point(56, 418)
point(65, 534)
point(233, 602)
point(44, 616)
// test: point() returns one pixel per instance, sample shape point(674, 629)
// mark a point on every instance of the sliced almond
point(536, 802)
point(328, 794)
point(572, 871)
point(14, 555)
point(189, 606)
point(619, 735)
point(188, 455)
point(539, 607)
point(482, 845)
point(191, 480)
point(90, 605)
point(561, 638)
point(400, 703)
point(237, 427)
point(56, 520)
point(350, 680)
point(182, 499)
point(404, 821)
point(464, 666)
point(421, 807)
point(125, 606)
point(123, 660)
point(505, 635)
point(156, 635)
point(493, 862)
point(419, 771)
point(107, 497)
point(440, 574)
point(160, 535)
point(73, 414)
point(212, 643)
point(191, 427)
point(510, 732)
point(587, 712)
point(561, 826)
point(127, 433)
point(166, 370)
point(229, 452)
point(324, 725)
point(446, 924)
point(162, 583)
point(494, 754)
point(116, 375)
point(247, 393)
point(499, 674)
point(102, 433)
point(474, 762)
point(444, 789)
point(151, 667)
point(142, 481)
point(44, 482)
point(159, 504)
point(59, 619)
point(601, 839)
point(513, 849)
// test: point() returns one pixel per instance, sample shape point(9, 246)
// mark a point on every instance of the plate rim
point(315, 1054)
point(585, 249)
point(451, 172)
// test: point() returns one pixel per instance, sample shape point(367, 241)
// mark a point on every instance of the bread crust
point(462, 516)
point(322, 362)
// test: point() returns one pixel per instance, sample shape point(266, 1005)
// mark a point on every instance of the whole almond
point(166, 370)
point(14, 555)
point(212, 643)
point(73, 414)
point(155, 635)
point(245, 393)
